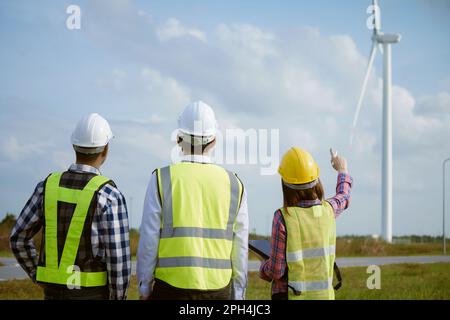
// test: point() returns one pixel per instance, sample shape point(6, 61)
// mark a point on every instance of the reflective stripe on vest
point(310, 251)
point(199, 207)
point(194, 262)
point(305, 286)
point(62, 272)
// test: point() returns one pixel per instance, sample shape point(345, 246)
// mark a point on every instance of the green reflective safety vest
point(310, 251)
point(200, 203)
point(63, 271)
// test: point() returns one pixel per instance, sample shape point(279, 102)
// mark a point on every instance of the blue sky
point(295, 66)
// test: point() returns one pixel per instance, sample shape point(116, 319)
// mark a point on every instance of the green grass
point(402, 281)
point(405, 281)
point(6, 254)
point(20, 290)
point(366, 246)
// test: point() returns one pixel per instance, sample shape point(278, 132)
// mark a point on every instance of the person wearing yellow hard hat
point(303, 247)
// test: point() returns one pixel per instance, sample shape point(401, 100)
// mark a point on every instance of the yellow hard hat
point(298, 167)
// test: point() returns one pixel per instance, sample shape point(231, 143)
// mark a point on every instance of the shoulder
point(162, 171)
point(40, 186)
point(109, 192)
point(231, 174)
point(159, 175)
point(278, 221)
point(238, 178)
point(327, 205)
point(278, 216)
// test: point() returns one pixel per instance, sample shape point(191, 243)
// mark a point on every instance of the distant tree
point(8, 221)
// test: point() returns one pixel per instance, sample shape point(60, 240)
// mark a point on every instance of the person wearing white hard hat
point(85, 251)
point(194, 232)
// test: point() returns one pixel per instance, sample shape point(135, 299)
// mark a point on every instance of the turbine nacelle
point(381, 37)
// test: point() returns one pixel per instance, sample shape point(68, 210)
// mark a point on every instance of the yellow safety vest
point(60, 272)
point(310, 251)
point(200, 203)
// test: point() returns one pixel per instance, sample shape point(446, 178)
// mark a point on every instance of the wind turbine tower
point(384, 42)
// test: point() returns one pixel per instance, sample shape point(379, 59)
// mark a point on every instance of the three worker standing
point(85, 251)
point(194, 232)
point(304, 232)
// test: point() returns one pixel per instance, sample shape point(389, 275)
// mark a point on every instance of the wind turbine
point(383, 41)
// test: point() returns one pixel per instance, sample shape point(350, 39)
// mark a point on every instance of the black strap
point(297, 293)
point(338, 276)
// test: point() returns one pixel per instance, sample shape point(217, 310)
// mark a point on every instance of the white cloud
point(62, 159)
point(302, 82)
point(416, 130)
point(434, 105)
point(13, 150)
point(141, 142)
point(173, 29)
point(145, 15)
point(247, 38)
point(163, 93)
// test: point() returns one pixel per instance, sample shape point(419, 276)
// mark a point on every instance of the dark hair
point(83, 157)
point(292, 197)
point(194, 149)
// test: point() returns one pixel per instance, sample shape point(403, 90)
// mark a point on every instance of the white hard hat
point(92, 132)
point(198, 119)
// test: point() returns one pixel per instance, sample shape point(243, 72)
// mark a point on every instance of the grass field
point(403, 281)
point(6, 254)
point(346, 246)
point(369, 247)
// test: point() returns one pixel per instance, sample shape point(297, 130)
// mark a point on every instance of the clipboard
point(260, 247)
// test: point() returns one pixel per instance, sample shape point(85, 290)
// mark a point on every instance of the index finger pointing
point(333, 153)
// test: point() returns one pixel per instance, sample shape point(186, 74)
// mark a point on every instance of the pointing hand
point(339, 163)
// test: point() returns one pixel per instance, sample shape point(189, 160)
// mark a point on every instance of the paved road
point(12, 270)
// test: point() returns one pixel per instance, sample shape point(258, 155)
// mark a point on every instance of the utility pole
point(444, 247)
point(130, 211)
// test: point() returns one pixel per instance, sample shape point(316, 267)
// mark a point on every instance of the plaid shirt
point(275, 268)
point(109, 234)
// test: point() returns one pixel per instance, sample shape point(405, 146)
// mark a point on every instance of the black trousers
point(63, 293)
point(164, 291)
point(280, 296)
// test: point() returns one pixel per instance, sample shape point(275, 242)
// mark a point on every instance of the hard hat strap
point(302, 186)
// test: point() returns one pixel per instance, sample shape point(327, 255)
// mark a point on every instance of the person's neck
point(94, 164)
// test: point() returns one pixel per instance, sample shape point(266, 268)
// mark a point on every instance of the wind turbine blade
point(363, 90)
point(377, 16)
point(380, 47)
